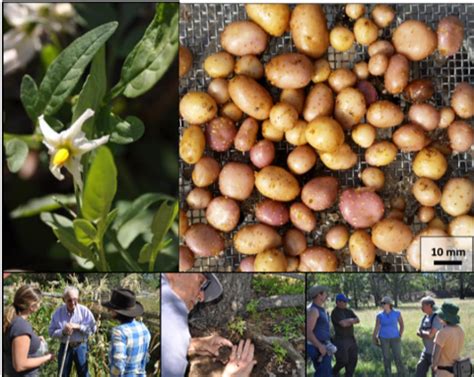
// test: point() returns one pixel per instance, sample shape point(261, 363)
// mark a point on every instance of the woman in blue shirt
point(387, 334)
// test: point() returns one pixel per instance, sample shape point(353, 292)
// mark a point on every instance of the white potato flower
point(67, 147)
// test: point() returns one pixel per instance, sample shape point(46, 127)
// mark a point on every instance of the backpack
point(431, 322)
point(463, 368)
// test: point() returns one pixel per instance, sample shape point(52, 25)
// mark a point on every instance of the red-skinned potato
point(244, 38)
point(294, 242)
point(272, 213)
point(220, 134)
point(262, 154)
point(289, 71)
point(186, 258)
point(236, 180)
point(361, 207)
point(302, 217)
point(381, 47)
point(246, 135)
point(255, 238)
point(391, 235)
point(461, 136)
point(397, 74)
point(223, 213)
point(414, 39)
point(205, 172)
point(425, 115)
point(362, 249)
point(369, 92)
point(450, 34)
point(320, 193)
point(461, 100)
point(337, 237)
point(271, 260)
point(318, 259)
point(301, 159)
point(204, 240)
point(293, 264)
point(398, 202)
point(419, 90)
point(246, 264)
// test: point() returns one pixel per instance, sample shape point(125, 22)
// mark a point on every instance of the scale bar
point(447, 262)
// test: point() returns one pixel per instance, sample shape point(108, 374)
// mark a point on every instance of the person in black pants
point(343, 320)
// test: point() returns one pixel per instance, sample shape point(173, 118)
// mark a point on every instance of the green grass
point(264, 284)
point(370, 356)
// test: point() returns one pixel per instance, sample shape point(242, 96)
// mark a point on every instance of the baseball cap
point(213, 289)
point(342, 297)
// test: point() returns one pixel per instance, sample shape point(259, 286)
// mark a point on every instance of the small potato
point(430, 163)
point(361, 70)
point(197, 107)
point(192, 144)
point(308, 27)
point(397, 74)
point(426, 214)
point(361, 207)
point(263, 153)
point(457, 196)
point(320, 193)
point(324, 134)
point(223, 213)
point(252, 98)
point(450, 34)
point(381, 153)
point(446, 117)
point(373, 178)
point(271, 260)
point(294, 242)
point(289, 71)
point(205, 172)
point(384, 114)
point(419, 90)
point(302, 217)
point(249, 65)
point(293, 97)
point(283, 116)
point(236, 180)
point(321, 70)
point(246, 264)
point(369, 92)
point(414, 249)
point(246, 135)
point(414, 39)
point(273, 18)
point(219, 65)
point(461, 226)
point(342, 159)
point(378, 64)
point(395, 214)
point(383, 15)
point(186, 258)
point(183, 222)
point(461, 100)
point(362, 249)
point(410, 138)
point(350, 107)
point(426, 192)
point(301, 159)
point(297, 135)
point(255, 238)
point(293, 264)
point(341, 38)
point(337, 237)
point(244, 38)
point(437, 223)
point(425, 115)
point(365, 31)
point(272, 133)
point(320, 101)
point(272, 213)
point(185, 60)
point(231, 111)
point(355, 11)
point(204, 240)
point(391, 235)
point(276, 183)
point(398, 202)
point(341, 78)
point(220, 134)
point(461, 136)
point(364, 135)
point(198, 198)
point(219, 90)
point(318, 259)
point(381, 47)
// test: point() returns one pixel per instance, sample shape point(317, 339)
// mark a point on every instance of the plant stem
point(135, 267)
point(78, 200)
point(102, 261)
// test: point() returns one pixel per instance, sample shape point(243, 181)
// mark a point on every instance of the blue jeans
point(323, 368)
point(78, 355)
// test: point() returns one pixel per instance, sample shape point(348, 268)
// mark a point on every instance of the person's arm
point(435, 357)
point(20, 360)
point(402, 325)
point(313, 316)
point(55, 329)
point(348, 322)
point(118, 353)
point(88, 326)
point(208, 345)
point(375, 334)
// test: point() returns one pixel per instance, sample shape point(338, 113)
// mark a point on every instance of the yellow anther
point(61, 156)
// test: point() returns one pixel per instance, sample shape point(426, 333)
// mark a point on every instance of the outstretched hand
point(241, 360)
point(210, 345)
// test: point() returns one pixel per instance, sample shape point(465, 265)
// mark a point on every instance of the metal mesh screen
point(200, 29)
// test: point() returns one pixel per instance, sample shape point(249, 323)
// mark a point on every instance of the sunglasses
point(205, 285)
point(383, 303)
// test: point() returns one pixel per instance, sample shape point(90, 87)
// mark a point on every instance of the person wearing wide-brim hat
point(448, 342)
point(130, 340)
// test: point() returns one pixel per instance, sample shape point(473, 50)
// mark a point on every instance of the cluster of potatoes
point(317, 110)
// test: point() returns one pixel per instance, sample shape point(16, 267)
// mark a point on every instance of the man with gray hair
point(72, 323)
point(429, 326)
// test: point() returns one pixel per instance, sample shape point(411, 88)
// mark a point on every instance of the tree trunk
point(284, 301)
point(375, 288)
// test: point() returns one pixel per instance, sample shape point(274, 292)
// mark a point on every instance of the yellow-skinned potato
point(415, 40)
point(289, 71)
point(341, 78)
point(283, 116)
point(365, 31)
point(324, 134)
point(297, 135)
point(342, 159)
point(219, 90)
point(293, 263)
point(270, 132)
point(430, 163)
point(337, 237)
point(426, 214)
point(197, 107)
point(309, 30)
point(301, 159)
point(384, 114)
point(350, 107)
point(273, 18)
point(397, 74)
point(410, 138)
point(252, 98)
point(446, 117)
point(461, 100)
point(383, 15)
point(277, 183)
point(250, 66)
point(256, 238)
point(362, 249)
point(381, 153)
point(381, 47)
point(457, 196)
point(461, 136)
point(414, 249)
point(450, 34)
point(373, 178)
point(462, 226)
point(378, 64)
point(192, 144)
point(361, 70)
point(426, 192)
point(183, 222)
point(391, 235)
point(185, 60)
point(355, 11)
point(294, 97)
point(364, 135)
point(271, 260)
point(231, 111)
point(321, 71)
point(219, 65)
point(244, 38)
point(318, 259)
point(341, 38)
point(320, 101)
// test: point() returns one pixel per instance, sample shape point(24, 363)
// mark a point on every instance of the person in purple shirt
point(72, 324)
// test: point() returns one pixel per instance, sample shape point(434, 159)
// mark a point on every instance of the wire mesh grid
point(200, 29)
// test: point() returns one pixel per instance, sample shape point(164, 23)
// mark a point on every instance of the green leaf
point(125, 131)
point(132, 229)
point(54, 123)
point(153, 55)
point(49, 52)
point(100, 186)
point(16, 151)
point(54, 220)
point(33, 141)
point(29, 96)
point(85, 231)
point(47, 203)
point(68, 239)
point(110, 218)
point(92, 92)
point(64, 73)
